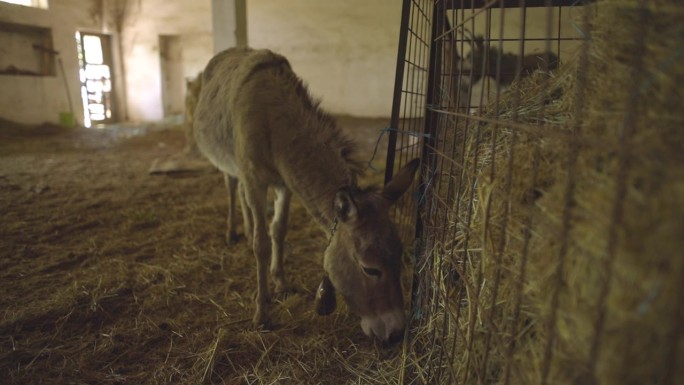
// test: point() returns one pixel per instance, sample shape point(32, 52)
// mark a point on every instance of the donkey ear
point(345, 208)
point(401, 182)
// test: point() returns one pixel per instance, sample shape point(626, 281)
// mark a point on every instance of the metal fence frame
point(419, 112)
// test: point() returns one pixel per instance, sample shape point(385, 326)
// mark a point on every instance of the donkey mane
point(328, 131)
point(331, 134)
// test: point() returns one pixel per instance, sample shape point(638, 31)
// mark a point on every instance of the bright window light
point(26, 3)
point(29, 3)
point(93, 49)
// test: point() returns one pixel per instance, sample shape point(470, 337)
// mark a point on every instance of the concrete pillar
point(229, 21)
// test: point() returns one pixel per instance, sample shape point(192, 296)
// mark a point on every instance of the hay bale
point(568, 231)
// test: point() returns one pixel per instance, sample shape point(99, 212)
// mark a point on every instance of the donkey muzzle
point(387, 327)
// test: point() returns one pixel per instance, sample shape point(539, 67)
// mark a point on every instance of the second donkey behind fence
point(257, 123)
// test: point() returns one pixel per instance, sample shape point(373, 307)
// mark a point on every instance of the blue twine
point(572, 20)
point(421, 196)
point(645, 304)
point(410, 133)
point(391, 129)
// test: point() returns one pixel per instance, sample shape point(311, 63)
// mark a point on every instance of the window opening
point(94, 57)
point(29, 3)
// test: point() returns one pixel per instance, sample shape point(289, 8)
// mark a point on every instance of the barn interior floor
point(111, 275)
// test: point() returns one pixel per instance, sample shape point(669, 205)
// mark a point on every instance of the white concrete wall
point(345, 49)
point(34, 99)
point(191, 20)
point(228, 24)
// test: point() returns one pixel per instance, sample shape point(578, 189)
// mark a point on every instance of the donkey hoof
point(232, 238)
point(283, 290)
point(262, 321)
point(267, 297)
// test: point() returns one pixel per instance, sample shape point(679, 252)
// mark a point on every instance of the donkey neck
point(311, 154)
point(314, 165)
point(318, 197)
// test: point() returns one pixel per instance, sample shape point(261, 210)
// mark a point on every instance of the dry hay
point(583, 223)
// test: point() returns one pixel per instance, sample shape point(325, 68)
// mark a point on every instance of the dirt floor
point(111, 275)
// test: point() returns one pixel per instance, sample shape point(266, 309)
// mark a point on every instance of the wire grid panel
point(407, 125)
point(476, 54)
point(481, 97)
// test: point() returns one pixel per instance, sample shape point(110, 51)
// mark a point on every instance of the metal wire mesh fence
point(532, 190)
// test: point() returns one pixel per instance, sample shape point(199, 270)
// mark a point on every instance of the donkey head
point(478, 54)
point(364, 257)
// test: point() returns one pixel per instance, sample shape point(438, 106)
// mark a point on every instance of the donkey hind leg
point(231, 185)
point(248, 223)
point(255, 195)
point(278, 232)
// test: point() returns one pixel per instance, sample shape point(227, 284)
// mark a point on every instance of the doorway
point(173, 84)
point(95, 60)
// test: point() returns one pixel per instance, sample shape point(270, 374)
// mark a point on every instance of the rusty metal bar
point(515, 3)
point(568, 199)
point(398, 83)
point(621, 179)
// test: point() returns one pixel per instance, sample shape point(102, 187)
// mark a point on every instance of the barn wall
point(345, 50)
point(188, 19)
point(34, 99)
point(37, 99)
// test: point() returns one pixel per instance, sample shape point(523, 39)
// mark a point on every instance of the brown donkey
point(257, 123)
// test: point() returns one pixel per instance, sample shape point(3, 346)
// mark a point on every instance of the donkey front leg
point(231, 185)
point(247, 221)
point(278, 232)
point(255, 196)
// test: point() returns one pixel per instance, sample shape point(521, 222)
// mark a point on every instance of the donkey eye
point(372, 272)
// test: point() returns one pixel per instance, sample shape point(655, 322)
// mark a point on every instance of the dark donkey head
point(363, 259)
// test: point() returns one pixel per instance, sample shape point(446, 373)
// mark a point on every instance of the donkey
point(485, 61)
point(192, 90)
point(256, 122)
